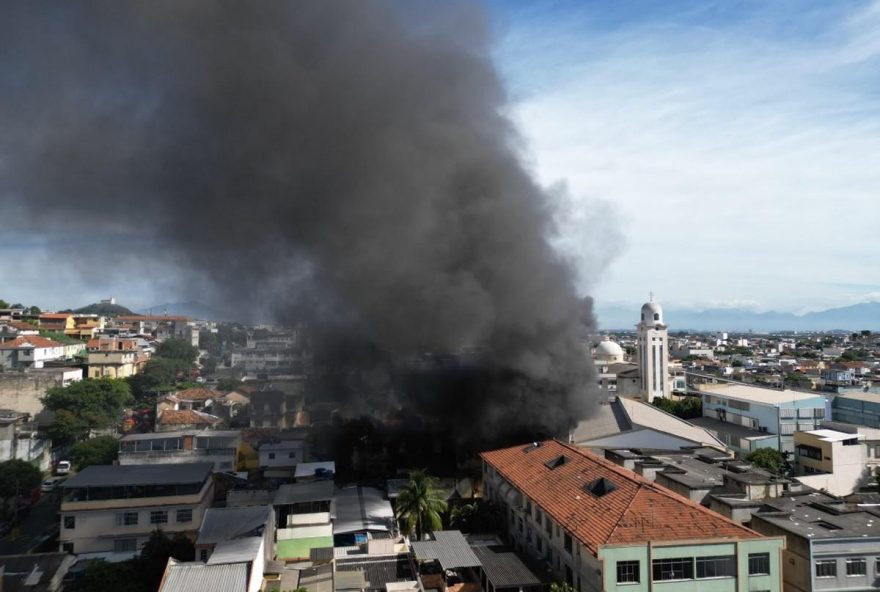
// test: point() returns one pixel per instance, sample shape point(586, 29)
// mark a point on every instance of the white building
point(29, 351)
point(653, 353)
point(837, 458)
point(109, 508)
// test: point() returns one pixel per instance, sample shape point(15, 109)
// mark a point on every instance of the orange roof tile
point(29, 341)
point(636, 511)
point(55, 315)
point(19, 325)
point(197, 394)
point(187, 417)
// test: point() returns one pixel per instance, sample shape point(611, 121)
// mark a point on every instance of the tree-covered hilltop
point(104, 310)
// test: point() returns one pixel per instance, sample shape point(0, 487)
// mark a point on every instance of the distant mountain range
point(856, 317)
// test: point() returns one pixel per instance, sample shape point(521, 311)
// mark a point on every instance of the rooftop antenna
point(651, 296)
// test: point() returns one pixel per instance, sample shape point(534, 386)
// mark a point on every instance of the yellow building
point(112, 358)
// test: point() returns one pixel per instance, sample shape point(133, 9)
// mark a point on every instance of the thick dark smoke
point(346, 162)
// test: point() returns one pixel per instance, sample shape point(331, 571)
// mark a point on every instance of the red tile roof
point(197, 394)
point(636, 511)
point(55, 315)
point(29, 341)
point(187, 417)
point(19, 325)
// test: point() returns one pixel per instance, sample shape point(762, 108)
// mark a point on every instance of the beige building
point(116, 508)
point(114, 357)
point(837, 460)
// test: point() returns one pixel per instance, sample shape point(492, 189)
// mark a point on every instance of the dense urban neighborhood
point(166, 453)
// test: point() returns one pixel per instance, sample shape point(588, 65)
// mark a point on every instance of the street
point(40, 524)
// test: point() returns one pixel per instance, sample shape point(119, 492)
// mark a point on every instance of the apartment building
point(746, 417)
point(598, 526)
point(30, 351)
point(116, 508)
point(830, 544)
point(115, 357)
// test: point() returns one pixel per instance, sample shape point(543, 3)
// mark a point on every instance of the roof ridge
point(623, 514)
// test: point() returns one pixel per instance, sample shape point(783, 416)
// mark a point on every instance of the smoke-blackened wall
point(347, 162)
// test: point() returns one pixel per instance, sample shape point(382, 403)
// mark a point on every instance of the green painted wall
point(743, 583)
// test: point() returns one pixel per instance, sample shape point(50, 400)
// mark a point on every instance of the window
point(67, 547)
point(185, 515)
point(291, 455)
point(158, 517)
point(856, 567)
point(716, 567)
point(203, 555)
point(673, 569)
point(125, 545)
point(567, 543)
point(627, 572)
point(271, 456)
point(826, 568)
point(759, 564)
point(70, 522)
point(127, 519)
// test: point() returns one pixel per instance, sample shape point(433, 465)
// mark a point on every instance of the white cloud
point(744, 164)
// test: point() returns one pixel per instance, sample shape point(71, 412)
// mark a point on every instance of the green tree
point(17, 477)
point(154, 556)
point(209, 342)
point(419, 505)
point(160, 375)
point(178, 349)
point(102, 450)
point(561, 587)
point(225, 385)
point(91, 404)
point(101, 576)
point(768, 459)
point(462, 517)
point(3, 303)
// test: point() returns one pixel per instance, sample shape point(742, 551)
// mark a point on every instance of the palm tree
point(419, 505)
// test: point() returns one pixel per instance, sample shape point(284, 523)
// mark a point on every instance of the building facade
point(598, 526)
point(115, 508)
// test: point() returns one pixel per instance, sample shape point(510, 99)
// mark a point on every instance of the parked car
point(63, 467)
point(50, 484)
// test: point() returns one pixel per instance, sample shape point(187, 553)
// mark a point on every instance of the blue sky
point(736, 144)
point(716, 153)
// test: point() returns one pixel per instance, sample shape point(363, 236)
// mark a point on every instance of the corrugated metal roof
point(297, 493)
point(198, 577)
point(360, 509)
point(222, 524)
point(122, 475)
point(449, 547)
point(504, 569)
point(242, 550)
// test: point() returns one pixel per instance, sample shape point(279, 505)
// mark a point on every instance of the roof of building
point(449, 548)
point(297, 493)
point(360, 509)
point(19, 325)
point(245, 549)
point(641, 439)
point(600, 503)
point(282, 445)
point(55, 315)
point(223, 524)
point(860, 396)
point(197, 394)
point(29, 341)
point(187, 417)
point(151, 318)
point(308, 469)
point(316, 579)
point(32, 573)
point(378, 571)
point(196, 577)
point(181, 433)
point(504, 568)
point(353, 579)
point(123, 475)
point(832, 435)
point(608, 349)
point(739, 432)
point(757, 394)
point(820, 516)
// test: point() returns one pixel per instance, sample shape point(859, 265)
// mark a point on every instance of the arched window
point(656, 316)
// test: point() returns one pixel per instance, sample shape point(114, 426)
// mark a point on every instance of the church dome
point(608, 351)
point(652, 313)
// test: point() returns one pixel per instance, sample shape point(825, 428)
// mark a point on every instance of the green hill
point(106, 310)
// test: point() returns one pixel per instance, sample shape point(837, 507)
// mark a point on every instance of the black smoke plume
point(347, 163)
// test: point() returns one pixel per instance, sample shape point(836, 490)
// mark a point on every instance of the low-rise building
point(223, 448)
point(838, 458)
point(831, 545)
point(282, 454)
point(227, 524)
point(116, 507)
point(598, 526)
point(115, 357)
point(730, 407)
point(172, 420)
point(862, 408)
point(23, 391)
point(29, 351)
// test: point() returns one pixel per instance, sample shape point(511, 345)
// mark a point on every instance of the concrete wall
point(21, 391)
